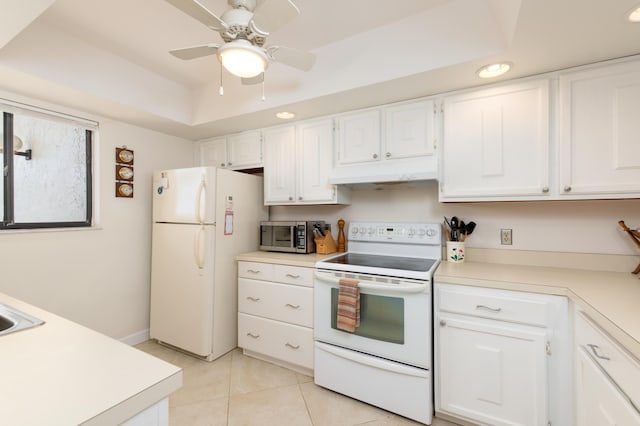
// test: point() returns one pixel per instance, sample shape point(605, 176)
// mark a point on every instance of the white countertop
point(61, 373)
point(610, 298)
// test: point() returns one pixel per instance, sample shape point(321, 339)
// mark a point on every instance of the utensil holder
point(455, 251)
point(326, 244)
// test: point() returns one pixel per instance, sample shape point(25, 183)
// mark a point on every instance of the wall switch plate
point(505, 237)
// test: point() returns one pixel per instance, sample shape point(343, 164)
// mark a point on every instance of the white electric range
point(386, 361)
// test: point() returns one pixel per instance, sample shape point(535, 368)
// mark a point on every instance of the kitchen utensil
point(454, 228)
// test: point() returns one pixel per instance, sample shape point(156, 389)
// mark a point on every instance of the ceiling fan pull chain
point(264, 98)
point(221, 89)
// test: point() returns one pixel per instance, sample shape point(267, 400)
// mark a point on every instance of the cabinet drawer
point(283, 302)
point(293, 275)
point(290, 343)
point(503, 305)
point(620, 366)
point(255, 270)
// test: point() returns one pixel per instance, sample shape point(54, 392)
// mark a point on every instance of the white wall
point(566, 226)
point(99, 278)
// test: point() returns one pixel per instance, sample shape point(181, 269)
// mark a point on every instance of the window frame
point(7, 222)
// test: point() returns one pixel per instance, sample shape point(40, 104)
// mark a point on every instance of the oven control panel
point(400, 232)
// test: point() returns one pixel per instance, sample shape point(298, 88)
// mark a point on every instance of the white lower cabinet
point(501, 357)
point(275, 313)
point(607, 378)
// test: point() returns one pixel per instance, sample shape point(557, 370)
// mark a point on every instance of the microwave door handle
point(402, 289)
point(293, 244)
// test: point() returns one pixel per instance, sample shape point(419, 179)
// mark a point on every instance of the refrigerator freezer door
point(182, 293)
point(184, 195)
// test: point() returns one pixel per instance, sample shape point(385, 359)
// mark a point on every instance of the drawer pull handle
point(293, 276)
point(594, 349)
point(253, 336)
point(253, 299)
point(289, 305)
point(489, 308)
point(294, 347)
point(253, 271)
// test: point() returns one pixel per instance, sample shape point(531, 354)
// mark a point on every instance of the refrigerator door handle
point(200, 247)
point(202, 201)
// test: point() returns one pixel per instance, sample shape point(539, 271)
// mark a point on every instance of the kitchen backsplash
point(556, 226)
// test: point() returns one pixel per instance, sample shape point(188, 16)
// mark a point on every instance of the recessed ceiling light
point(285, 115)
point(634, 15)
point(494, 70)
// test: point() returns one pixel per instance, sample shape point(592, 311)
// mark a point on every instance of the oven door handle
point(398, 288)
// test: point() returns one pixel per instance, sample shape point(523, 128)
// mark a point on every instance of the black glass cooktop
point(378, 261)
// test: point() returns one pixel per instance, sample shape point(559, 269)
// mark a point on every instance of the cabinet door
point(600, 124)
point(279, 165)
point(359, 137)
point(410, 130)
point(491, 373)
point(496, 143)
point(245, 150)
point(599, 401)
point(314, 148)
point(214, 153)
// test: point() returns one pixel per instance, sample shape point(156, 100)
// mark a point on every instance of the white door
point(359, 137)
point(491, 373)
point(279, 165)
point(214, 153)
point(410, 130)
point(245, 150)
point(314, 147)
point(496, 143)
point(184, 195)
point(599, 401)
point(182, 286)
point(600, 123)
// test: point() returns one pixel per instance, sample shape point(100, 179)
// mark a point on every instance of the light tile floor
point(239, 390)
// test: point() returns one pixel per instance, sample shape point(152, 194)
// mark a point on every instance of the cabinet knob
point(375, 156)
point(221, 164)
point(567, 189)
point(545, 189)
point(300, 198)
point(443, 323)
point(229, 164)
point(388, 155)
point(290, 198)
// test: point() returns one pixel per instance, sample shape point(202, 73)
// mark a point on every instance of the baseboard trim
point(136, 338)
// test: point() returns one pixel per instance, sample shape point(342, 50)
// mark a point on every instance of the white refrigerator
point(202, 218)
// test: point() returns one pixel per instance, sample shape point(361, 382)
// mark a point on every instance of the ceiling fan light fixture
point(242, 59)
point(634, 15)
point(494, 70)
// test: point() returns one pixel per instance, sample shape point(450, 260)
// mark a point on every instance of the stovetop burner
point(388, 262)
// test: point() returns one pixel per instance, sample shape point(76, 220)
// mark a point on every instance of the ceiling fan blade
point(253, 80)
point(271, 15)
point(199, 12)
point(194, 52)
point(293, 57)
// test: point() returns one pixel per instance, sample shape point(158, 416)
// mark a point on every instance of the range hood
point(386, 171)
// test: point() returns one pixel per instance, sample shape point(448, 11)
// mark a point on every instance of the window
point(47, 170)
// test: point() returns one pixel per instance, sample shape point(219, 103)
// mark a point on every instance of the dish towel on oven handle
point(348, 305)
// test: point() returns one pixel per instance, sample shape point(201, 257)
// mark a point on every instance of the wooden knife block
point(325, 245)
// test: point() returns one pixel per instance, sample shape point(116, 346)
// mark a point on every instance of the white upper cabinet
point(409, 129)
point(359, 137)
point(599, 132)
point(297, 163)
point(238, 151)
point(496, 143)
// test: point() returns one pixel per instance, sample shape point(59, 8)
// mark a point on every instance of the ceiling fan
point(244, 29)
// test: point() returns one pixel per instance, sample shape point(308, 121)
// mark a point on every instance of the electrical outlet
point(505, 237)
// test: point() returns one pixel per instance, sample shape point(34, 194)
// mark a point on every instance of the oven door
point(395, 317)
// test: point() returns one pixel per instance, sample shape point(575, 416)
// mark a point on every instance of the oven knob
point(412, 232)
point(431, 232)
point(422, 232)
point(371, 230)
point(363, 230)
point(354, 230)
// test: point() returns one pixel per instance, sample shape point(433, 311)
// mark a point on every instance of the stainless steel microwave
point(289, 236)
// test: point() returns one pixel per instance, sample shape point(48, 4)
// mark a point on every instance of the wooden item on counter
point(326, 244)
point(342, 247)
point(635, 236)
